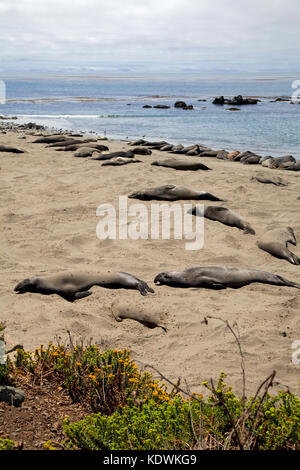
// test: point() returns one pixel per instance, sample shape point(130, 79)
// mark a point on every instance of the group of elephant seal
point(73, 286)
point(220, 277)
point(171, 192)
point(247, 157)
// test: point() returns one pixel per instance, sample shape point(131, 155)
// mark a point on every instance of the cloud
point(154, 34)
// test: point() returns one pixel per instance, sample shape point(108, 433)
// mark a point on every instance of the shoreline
point(49, 222)
point(7, 123)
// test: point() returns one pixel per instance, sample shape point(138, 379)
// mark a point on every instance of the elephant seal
point(118, 161)
point(223, 155)
point(141, 151)
point(233, 155)
point(282, 162)
point(225, 216)
point(170, 192)
point(50, 139)
point(220, 277)
point(276, 243)
point(209, 153)
point(183, 150)
point(137, 142)
point(267, 162)
point(292, 166)
point(186, 165)
point(166, 148)
point(194, 152)
point(84, 152)
point(70, 148)
point(73, 286)
point(109, 156)
point(138, 313)
point(176, 148)
point(156, 145)
point(276, 181)
point(66, 143)
point(7, 148)
point(251, 160)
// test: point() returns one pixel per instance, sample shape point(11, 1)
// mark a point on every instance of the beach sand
point(48, 224)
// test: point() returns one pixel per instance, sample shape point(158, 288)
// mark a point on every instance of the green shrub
point(132, 410)
point(153, 426)
point(6, 444)
point(222, 421)
point(102, 381)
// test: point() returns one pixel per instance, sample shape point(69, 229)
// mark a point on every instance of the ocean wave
point(58, 116)
point(80, 99)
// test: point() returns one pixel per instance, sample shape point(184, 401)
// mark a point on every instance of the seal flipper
point(285, 282)
point(72, 296)
point(144, 288)
point(291, 240)
point(293, 259)
point(249, 230)
point(209, 197)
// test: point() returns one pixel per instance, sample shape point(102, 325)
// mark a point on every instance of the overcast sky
point(150, 35)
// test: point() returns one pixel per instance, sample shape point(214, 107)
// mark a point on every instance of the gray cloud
point(167, 35)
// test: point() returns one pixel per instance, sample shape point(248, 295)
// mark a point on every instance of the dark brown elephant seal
point(170, 192)
point(225, 216)
point(137, 142)
point(141, 314)
point(166, 148)
point(70, 148)
point(141, 151)
point(66, 143)
point(50, 139)
point(220, 277)
point(72, 286)
point(187, 165)
point(276, 243)
point(8, 148)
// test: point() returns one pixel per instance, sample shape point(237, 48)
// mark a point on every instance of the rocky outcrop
point(183, 105)
point(236, 100)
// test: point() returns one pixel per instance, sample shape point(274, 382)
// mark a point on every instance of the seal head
point(27, 285)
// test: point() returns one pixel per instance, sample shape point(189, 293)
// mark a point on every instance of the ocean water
point(112, 105)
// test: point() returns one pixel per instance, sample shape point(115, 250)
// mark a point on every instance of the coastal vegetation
point(128, 409)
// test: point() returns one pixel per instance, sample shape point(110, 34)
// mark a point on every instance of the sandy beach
point(48, 219)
